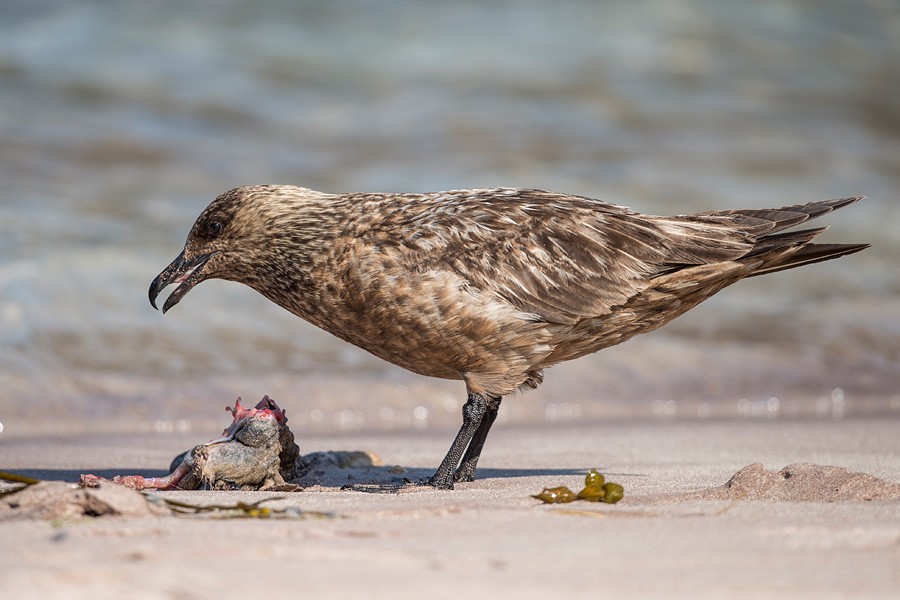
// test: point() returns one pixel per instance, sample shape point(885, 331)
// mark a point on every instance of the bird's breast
point(431, 323)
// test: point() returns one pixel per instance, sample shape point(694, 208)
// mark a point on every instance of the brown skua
point(488, 286)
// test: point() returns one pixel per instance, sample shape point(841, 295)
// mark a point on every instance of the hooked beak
point(186, 273)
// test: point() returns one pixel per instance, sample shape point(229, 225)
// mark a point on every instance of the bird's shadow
point(513, 473)
point(74, 476)
point(372, 474)
point(390, 479)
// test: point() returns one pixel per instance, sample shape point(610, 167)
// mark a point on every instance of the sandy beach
point(488, 538)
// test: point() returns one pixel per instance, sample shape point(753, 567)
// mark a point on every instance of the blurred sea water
point(120, 121)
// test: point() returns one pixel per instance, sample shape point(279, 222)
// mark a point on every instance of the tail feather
point(782, 241)
point(776, 250)
point(787, 216)
point(807, 255)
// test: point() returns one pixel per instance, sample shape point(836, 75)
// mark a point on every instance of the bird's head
point(236, 238)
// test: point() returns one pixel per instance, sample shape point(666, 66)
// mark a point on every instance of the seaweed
point(596, 489)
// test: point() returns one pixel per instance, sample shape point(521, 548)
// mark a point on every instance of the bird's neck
point(292, 268)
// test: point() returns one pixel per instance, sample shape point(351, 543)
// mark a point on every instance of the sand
point(680, 532)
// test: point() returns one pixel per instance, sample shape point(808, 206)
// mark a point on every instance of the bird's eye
point(214, 228)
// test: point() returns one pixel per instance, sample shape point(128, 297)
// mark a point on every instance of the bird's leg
point(473, 412)
point(466, 470)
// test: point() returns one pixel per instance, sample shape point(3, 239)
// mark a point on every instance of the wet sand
point(672, 536)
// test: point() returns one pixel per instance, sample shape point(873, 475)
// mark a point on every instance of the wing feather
point(559, 258)
point(565, 258)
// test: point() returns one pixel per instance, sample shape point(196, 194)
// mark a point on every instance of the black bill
point(187, 273)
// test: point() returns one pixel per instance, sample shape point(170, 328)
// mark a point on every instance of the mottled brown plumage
point(489, 286)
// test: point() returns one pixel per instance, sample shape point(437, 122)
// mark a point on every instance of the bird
point(487, 286)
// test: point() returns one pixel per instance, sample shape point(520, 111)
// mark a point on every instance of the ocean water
point(120, 121)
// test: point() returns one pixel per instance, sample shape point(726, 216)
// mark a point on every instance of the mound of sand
point(799, 482)
point(51, 500)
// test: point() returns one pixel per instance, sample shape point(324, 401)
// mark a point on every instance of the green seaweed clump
point(556, 495)
point(16, 478)
point(596, 489)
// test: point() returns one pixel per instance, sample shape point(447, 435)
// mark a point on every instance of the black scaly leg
point(466, 470)
point(473, 412)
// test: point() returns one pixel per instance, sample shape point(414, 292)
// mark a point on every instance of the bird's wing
point(561, 258)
